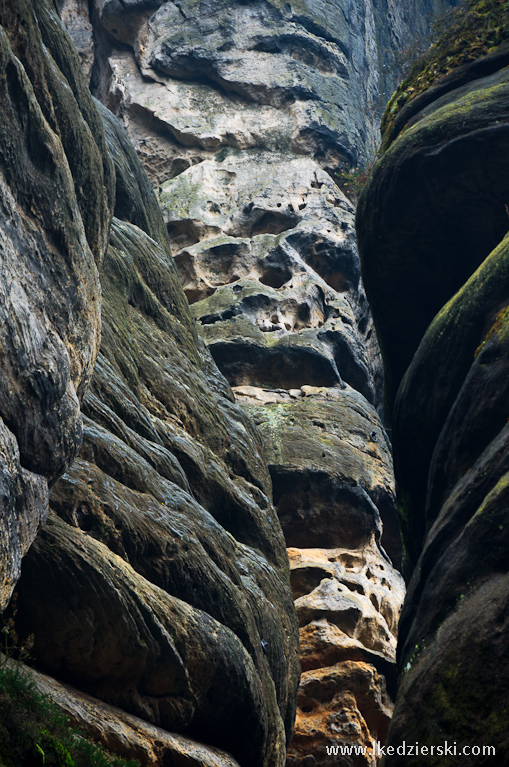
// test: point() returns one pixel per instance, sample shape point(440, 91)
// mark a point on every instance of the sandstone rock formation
point(240, 115)
point(116, 731)
point(56, 210)
point(160, 581)
point(432, 228)
point(159, 584)
point(332, 473)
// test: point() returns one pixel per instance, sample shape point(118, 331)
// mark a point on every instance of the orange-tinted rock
point(358, 591)
point(341, 706)
point(348, 604)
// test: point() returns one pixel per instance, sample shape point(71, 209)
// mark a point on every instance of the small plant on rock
point(351, 180)
point(33, 731)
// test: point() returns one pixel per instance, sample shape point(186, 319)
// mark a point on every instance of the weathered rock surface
point(307, 77)
point(240, 115)
point(286, 310)
point(120, 733)
point(432, 226)
point(316, 441)
point(75, 16)
point(283, 64)
point(348, 602)
point(160, 581)
point(56, 209)
point(165, 568)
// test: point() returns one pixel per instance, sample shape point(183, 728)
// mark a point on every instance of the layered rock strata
point(331, 473)
point(432, 228)
point(240, 115)
point(159, 583)
point(118, 732)
point(56, 211)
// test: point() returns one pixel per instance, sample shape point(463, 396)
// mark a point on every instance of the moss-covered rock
point(432, 226)
point(330, 463)
point(169, 501)
point(433, 211)
point(454, 642)
point(121, 733)
point(56, 198)
point(472, 44)
point(450, 347)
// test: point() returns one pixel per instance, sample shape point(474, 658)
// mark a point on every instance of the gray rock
point(161, 579)
point(56, 210)
point(166, 519)
point(447, 354)
point(75, 16)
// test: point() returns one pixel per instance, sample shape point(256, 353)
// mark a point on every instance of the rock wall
point(159, 585)
point(432, 229)
point(243, 116)
point(56, 211)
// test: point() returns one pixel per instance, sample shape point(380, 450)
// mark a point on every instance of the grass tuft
point(35, 733)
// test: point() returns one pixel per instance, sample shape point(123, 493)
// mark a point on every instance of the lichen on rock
point(166, 518)
point(160, 583)
point(240, 115)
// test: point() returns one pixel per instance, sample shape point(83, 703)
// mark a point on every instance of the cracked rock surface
point(242, 116)
point(162, 566)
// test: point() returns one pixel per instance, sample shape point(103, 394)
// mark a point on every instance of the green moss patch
point(34, 732)
point(474, 29)
point(497, 325)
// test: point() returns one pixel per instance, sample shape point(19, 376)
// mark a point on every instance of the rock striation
point(56, 211)
point(432, 230)
point(243, 116)
point(162, 567)
point(118, 732)
point(158, 589)
point(159, 583)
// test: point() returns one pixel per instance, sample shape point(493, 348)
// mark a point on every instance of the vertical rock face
point(242, 116)
point(432, 228)
point(75, 15)
point(56, 188)
point(263, 75)
point(159, 584)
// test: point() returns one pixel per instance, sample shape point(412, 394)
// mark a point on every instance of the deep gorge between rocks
point(200, 527)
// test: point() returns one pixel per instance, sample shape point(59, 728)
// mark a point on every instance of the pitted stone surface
point(242, 115)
